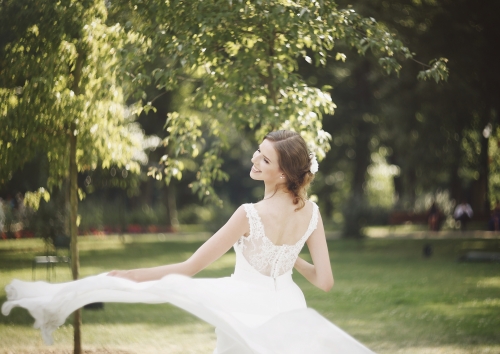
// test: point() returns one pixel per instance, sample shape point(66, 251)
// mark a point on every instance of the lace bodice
point(263, 255)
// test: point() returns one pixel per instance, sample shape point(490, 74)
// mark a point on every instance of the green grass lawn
point(386, 295)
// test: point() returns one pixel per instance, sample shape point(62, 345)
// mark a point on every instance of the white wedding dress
point(259, 309)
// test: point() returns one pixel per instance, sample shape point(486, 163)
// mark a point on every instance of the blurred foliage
point(358, 214)
point(61, 75)
point(494, 165)
point(211, 78)
point(49, 220)
point(246, 75)
point(432, 134)
point(116, 217)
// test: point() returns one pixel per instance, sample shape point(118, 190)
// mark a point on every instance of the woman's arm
point(320, 272)
point(209, 252)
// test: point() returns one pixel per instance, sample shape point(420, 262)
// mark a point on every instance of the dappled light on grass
point(491, 282)
point(449, 349)
point(194, 337)
point(481, 304)
point(141, 338)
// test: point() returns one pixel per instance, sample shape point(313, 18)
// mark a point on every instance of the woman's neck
point(276, 191)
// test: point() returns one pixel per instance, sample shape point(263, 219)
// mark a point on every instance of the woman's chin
point(255, 175)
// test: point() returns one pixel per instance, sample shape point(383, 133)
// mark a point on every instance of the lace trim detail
point(263, 255)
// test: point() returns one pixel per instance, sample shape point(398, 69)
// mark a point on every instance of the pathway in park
point(389, 232)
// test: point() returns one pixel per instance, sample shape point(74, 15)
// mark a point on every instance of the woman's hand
point(125, 274)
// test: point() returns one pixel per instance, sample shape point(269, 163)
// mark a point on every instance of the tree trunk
point(75, 260)
point(455, 181)
point(482, 197)
point(362, 159)
point(173, 222)
point(67, 207)
point(411, 186)
point(73, 198)
point(356, 208)
point(397, 180)
point(479, 198)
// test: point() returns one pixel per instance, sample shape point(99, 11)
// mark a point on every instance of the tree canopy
point(242, 59)
point(61, 76)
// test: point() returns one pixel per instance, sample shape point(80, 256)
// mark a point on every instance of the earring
point(282, 176)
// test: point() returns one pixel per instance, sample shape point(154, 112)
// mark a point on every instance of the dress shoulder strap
point(313, 224)
point(256, 229)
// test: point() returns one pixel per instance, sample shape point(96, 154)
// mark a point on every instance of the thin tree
point(62, 93)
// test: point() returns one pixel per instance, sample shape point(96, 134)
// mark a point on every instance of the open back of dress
point(262, 254)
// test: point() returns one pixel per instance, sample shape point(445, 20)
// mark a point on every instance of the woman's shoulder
point(309, 201)
point(245, 210)
point(246, 206)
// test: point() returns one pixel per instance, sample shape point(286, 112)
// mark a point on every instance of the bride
point(259, 309)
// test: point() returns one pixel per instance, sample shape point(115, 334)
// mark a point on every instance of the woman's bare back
point(283, 224)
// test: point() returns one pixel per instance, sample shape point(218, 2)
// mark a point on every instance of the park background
point(396, 145)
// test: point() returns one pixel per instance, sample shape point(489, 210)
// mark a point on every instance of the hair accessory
point(314, 163)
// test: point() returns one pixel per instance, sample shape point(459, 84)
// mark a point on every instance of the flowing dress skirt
point(252, 313)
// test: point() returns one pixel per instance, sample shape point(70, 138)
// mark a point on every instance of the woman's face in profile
point(265, 163)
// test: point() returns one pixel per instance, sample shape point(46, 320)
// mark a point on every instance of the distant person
point(494, 224)
point(463, 213)
point(434, 217)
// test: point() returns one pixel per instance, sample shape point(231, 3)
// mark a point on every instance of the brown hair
point(295, 162)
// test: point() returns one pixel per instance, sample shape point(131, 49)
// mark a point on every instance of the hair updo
point(295, 162)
